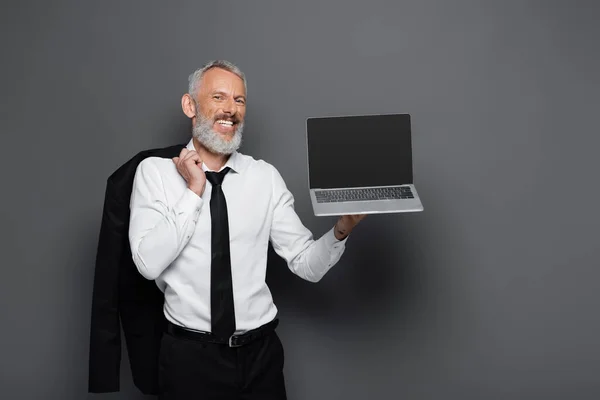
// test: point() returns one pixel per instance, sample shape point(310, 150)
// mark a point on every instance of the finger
point(183, 152)
point(175, 160)
point(184, 159)
point(192, 159)
point(190, 154)
point(197, 163)
point(180, 161)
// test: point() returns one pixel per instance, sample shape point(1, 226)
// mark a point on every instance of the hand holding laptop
point(345, 224)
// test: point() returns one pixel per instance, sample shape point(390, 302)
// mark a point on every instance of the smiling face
point(220, 111)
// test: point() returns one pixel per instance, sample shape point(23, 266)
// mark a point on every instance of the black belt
point(233, 341)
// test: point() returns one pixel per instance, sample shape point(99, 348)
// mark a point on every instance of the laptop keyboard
point(387, 193)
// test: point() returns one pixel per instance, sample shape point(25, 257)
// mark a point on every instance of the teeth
point(223, 122)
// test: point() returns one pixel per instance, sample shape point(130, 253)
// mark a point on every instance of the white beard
point(204, 133)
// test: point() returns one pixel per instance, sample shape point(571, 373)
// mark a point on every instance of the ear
point(188, 105)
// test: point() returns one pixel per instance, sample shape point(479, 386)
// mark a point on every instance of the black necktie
point(221, 293)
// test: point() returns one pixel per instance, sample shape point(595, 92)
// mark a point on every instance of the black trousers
point(194, 370)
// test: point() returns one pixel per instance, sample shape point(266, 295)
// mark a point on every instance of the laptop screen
point(359, 151)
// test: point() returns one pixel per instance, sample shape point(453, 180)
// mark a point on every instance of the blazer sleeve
point(105, 329)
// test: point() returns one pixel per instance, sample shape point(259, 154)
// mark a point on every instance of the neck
point(213, 161)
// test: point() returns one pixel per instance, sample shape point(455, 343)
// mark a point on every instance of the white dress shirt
point(170, 237)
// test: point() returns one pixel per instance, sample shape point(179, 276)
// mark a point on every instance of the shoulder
point(264, 173)
point(156, 163)
point(258, 167)
point(156, 167)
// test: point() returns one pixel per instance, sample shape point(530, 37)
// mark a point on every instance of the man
point(200, 227)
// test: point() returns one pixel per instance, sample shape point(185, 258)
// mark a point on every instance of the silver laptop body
point(361, 164)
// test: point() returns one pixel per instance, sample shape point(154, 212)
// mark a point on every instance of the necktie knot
point(216, 178)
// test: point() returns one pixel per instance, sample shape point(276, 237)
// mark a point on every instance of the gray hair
point(195, 78)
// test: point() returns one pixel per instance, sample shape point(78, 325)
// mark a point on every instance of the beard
point(213, 141)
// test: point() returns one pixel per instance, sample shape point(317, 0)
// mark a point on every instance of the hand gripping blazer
point(122, 297)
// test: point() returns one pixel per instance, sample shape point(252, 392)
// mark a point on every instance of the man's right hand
point(189, 166)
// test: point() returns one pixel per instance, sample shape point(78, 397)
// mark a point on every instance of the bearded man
point(200, 225)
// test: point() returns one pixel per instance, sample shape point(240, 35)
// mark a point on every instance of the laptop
point(361, 164)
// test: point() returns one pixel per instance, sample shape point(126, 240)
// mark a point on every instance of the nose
point(229, 107)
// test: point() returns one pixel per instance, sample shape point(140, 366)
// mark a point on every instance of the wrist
point(197, 189)
point(340, 231)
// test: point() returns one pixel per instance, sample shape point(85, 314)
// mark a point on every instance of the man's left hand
point(345, 224)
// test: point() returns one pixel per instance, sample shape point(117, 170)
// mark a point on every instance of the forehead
point(220, 79)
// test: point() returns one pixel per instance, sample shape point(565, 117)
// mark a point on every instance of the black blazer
point(122, 297)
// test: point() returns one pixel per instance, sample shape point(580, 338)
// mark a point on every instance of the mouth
point(225, 125)
point(225, 122)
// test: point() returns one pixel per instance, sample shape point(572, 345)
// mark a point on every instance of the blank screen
point(356, 151)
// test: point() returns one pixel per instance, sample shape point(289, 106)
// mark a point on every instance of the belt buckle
point(231, 339)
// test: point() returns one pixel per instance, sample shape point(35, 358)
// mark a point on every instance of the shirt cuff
point(189, 203)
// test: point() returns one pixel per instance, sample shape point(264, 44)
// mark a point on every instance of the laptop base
point(387, 206)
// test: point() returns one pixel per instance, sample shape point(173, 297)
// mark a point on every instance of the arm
point(308, 258)
point(159, 231)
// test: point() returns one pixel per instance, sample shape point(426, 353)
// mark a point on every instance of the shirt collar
point(233, 162)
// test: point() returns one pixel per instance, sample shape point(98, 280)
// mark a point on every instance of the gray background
point(491, 293)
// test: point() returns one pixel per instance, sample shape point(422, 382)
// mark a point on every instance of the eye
point(241, 101)
point(218, 97)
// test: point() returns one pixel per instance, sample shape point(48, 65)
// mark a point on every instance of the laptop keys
point(369, 194)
